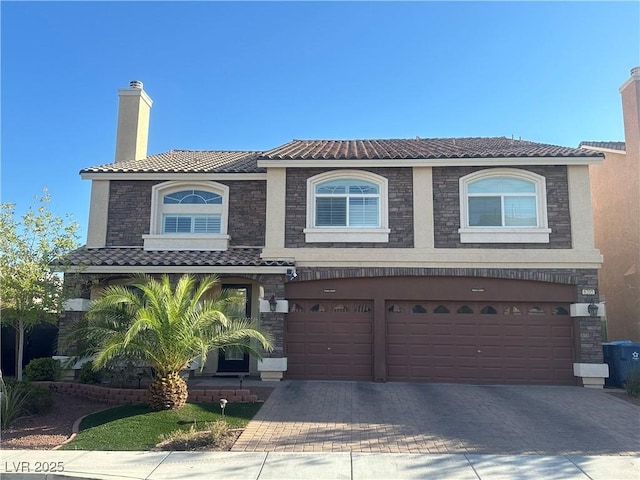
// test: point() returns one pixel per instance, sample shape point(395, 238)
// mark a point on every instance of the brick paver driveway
point(319, 416)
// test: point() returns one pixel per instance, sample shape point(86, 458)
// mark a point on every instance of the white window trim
point(539, 234)
point(156, 240)
point(347, 234)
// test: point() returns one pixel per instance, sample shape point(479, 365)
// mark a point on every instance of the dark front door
point(232, 360)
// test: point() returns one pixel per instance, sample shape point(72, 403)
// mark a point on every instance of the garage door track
point(324, 416)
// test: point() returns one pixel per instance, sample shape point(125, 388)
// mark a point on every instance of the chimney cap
point(135, 84)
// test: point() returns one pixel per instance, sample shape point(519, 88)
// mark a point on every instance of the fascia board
point(277, 270)
point(171, 176)
point(438, 162)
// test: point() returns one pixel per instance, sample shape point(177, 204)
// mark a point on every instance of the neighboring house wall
point(617, 235)
point(615, 187)
point(446, 205)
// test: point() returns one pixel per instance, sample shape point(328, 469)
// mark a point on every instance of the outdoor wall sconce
point(273, 303)
point(593, 309)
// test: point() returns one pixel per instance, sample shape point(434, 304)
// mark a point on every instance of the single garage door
point(330, 340)
point(479, 343)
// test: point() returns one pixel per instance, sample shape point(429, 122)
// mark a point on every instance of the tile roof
point(137, 257)
point(419, 148)
point(212, 161)
point(608, 145)
point(187, 161)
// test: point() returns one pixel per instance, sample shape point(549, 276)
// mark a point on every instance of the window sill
point(360, 235)
point(504, 235)
point(186, 242)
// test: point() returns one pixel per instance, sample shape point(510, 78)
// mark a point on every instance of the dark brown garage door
point(330, 340)
point(479, 343)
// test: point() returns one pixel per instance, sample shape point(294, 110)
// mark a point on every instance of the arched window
point(503, 205)
point(347, 206)
point(441, 309)
point(464, 309)
point(560, 311)
point(296, 308)
point(395, 308)
point(418, 309)
point(512, 311)
point(188, 216)
point(488, 310)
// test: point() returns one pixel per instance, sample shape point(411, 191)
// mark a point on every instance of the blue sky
point(244, 75)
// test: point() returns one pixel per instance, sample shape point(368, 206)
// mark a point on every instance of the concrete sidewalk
point(62, 465)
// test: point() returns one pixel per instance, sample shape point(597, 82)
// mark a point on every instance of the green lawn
point(137, 427)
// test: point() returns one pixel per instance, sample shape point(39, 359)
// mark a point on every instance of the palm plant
point(166, 328)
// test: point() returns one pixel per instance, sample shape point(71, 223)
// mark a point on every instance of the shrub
point(12, 401)
point(89, 375)
point(43, 369)
point(219, 431)
point(632, 382)
point(37, 399)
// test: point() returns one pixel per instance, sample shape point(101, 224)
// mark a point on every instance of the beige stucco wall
point(98, 214)
point(616, 210)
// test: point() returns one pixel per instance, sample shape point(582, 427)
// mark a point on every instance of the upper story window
point(503, 206)
point(347, 206)
point(192, 212)
point(188, 216)
point(347, 203)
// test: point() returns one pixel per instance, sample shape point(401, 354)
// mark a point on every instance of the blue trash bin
point(628, 360)
point(612, 353)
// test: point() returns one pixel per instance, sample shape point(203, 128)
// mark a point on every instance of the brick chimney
point(133, 123)
point(630, 92)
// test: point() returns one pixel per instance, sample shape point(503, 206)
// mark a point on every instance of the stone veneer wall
point(589, 335)
point(446, 206)
point(400, 196)
point(130, 211)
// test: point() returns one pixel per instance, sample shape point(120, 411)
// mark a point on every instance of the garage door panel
point(330, 340)
point(508, 343)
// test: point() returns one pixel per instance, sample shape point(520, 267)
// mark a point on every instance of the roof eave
point(595, 159)
point(172, 176)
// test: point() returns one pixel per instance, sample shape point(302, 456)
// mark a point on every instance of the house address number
point(588, 291)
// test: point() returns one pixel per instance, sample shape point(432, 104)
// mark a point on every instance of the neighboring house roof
point(187, 161)
point(138, 257)
point(420, 148)
point(211, 161)
point(605, 145)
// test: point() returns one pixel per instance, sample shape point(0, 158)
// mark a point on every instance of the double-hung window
point(347, 206)
point(503, 206)
point(188, 216)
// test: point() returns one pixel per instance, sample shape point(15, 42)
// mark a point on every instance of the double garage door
point(465, 342)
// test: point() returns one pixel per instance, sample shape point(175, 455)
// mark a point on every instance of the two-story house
point(444, 260)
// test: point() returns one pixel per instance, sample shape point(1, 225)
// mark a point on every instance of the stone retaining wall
point(125, 396)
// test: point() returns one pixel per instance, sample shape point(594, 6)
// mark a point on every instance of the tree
point(29, 291)
point(166, 328)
